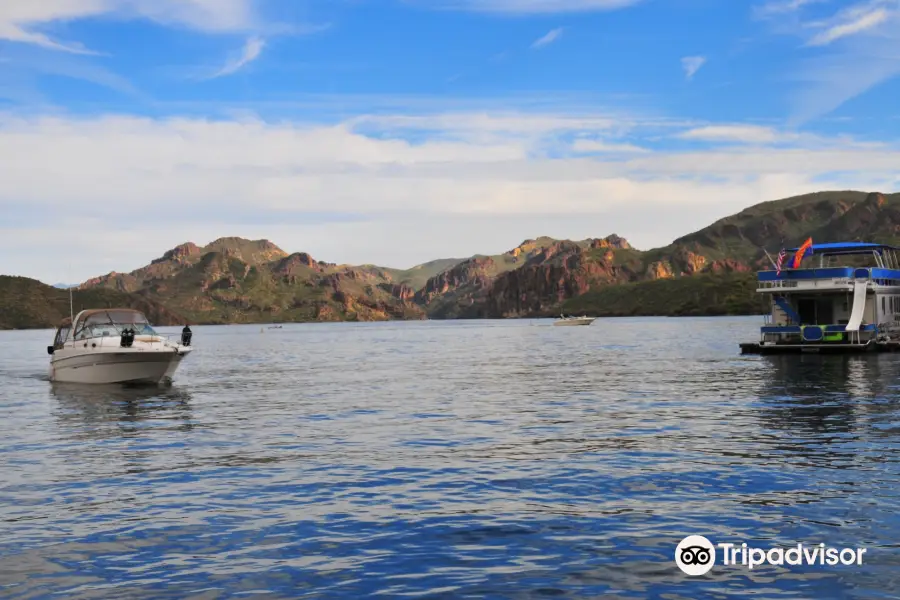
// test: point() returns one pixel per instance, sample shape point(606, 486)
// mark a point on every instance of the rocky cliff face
point(876, 218)
point(561, 271)
point(530, 279)
point(235, 280)
point(184, 254)
point(455, 291)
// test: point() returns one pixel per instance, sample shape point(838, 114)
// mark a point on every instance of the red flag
point(801, 251)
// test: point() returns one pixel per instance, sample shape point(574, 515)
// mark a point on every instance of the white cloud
point(530, 6)
point(253, 47)
point(20, 20)
point(24, 66)
point(864, 51)
point(853, 21)
point(748, 134)
point(548, 38)
point(588, 146)
point(13, 33)
point(123, 189)
point(692, 64)
point(780, 7)
point(495, 121)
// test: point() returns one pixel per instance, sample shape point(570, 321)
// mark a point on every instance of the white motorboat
point(114, 345)
point(564, 320)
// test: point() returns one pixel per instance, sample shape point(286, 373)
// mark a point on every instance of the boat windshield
point(112, 323)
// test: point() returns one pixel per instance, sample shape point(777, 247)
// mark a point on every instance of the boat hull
point(573, 322)
point(157, 366)
point(873, 346)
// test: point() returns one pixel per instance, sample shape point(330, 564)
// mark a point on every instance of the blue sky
point(397, 131)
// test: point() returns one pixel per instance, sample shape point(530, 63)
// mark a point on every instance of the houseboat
point(834, 297)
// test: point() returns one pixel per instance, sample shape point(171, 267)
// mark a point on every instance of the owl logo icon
point(695, 555)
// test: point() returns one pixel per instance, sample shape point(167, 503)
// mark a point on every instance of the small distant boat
point(115, 345)
point(276, 327)
point(565, 321)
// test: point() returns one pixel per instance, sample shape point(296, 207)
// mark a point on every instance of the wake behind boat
point(568, 321)
point(115, 345)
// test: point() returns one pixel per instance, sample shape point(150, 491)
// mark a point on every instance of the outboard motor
point(186, 336)
point(127, 338)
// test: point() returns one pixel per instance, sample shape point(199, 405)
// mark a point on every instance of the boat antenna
point(71, 303)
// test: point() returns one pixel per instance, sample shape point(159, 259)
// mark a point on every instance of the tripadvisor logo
point(695, 555)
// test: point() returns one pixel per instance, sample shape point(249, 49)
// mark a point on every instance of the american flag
point(780, 261)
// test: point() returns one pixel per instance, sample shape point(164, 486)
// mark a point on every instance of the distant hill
point(562, 271)
point(710, 271)
point(27, 303)
point(700, 295)
point(526, 280)
point(416, 277)
point(834, 216)
point(233, 280)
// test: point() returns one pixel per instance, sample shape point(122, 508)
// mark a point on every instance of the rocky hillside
point(561, 270)
point(238, 280)
point(419, 275)
point(28, 303)
point(706, 294)
point(233, 280)
point(470, 288)
point(549, 272)
point(834, 216)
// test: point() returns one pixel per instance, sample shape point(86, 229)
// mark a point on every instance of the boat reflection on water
point(130, 407)
point(823, 402)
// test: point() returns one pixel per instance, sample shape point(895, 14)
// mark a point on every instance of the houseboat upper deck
point(847, 298)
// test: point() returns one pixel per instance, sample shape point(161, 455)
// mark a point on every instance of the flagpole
point(770, 259)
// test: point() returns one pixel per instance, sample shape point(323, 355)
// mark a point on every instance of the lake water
point(468, 459)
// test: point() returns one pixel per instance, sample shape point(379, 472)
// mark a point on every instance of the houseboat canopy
point(846, 248)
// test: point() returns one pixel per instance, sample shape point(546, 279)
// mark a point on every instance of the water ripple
point(497, 459)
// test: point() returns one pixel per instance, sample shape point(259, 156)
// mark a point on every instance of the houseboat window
point(815, 311)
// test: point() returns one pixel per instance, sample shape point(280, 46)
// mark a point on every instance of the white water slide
point(859, 304)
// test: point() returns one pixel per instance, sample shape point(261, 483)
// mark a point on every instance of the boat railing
point(152, 337)
point(173, 339)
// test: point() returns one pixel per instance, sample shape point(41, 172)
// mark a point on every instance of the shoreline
point(541, 316)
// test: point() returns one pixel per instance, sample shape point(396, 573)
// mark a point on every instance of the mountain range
point(710, 271)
